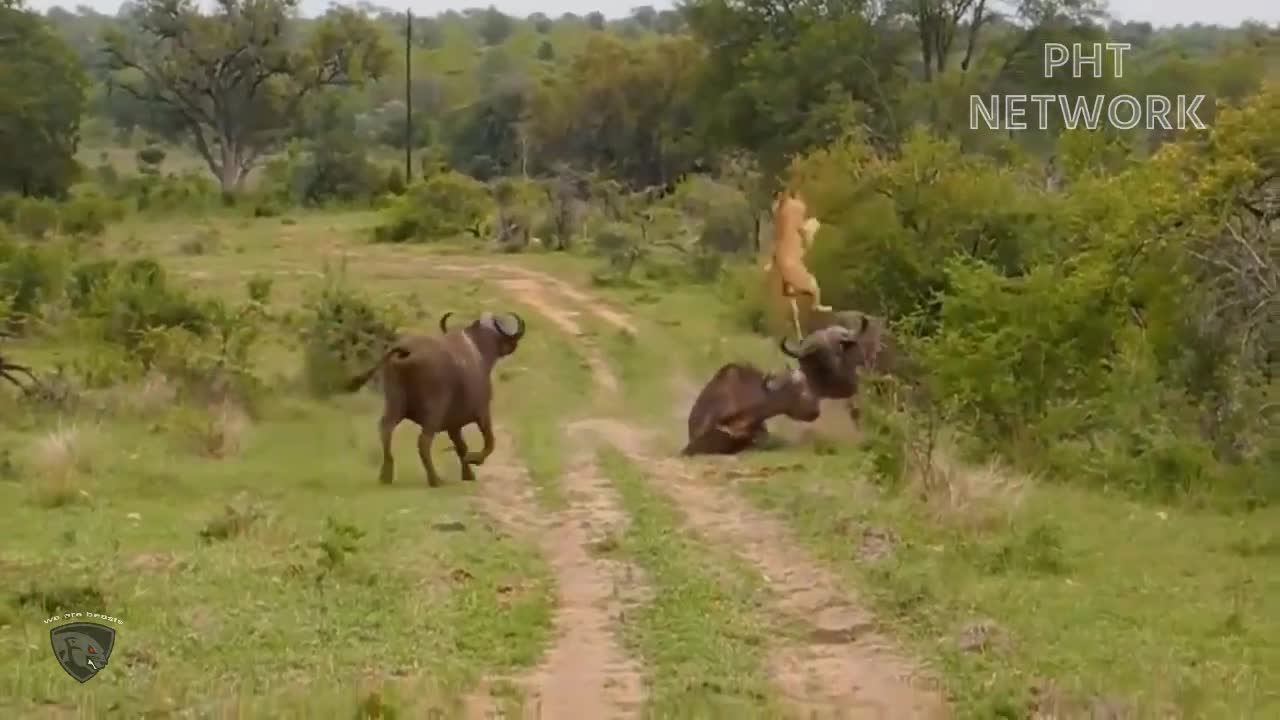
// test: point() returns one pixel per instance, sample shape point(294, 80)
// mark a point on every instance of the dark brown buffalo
point(729, 414)
point(443, 383)
point(833, 356)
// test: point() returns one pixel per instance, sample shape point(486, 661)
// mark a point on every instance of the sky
point(1157, 12)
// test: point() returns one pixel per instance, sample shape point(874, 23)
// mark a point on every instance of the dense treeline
point(1099, 304)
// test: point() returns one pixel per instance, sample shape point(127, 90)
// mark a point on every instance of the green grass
point(701, 635)
point(410, 600)
point(1100, 594)
point(110, 517)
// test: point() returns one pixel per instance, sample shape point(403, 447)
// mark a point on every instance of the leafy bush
point(446, 204)
point(35, 217)
point(30, 276)
point(149, 159)
point(173, 192)
point(343, 334)
point(131, 299)
point(87, 214)
point(728, 228)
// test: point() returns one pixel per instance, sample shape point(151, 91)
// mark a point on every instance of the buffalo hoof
point(434, 481)
point(475, 458)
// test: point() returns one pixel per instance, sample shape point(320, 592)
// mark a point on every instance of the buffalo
point(729, 414)
point(442, 383)
point(832, 357)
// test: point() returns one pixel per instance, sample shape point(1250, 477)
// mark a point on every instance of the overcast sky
point(1157, 12)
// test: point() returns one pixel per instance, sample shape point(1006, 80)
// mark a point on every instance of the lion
point(793, 236)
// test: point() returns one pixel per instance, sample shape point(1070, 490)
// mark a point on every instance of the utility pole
point(408, 97)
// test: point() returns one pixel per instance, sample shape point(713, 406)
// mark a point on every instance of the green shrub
point(343, 334)
point(129, 300)
point(149, 159)
point(186, 191)
point(445, 205)
point(9, 206)
point(30, 276)
point(728, 228)
point(395, 181)
point(87, 214)
point(35, 217)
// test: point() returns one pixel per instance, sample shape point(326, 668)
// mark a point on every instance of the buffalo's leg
point(460, 447)
point(387, 426)
point(760, 436)
point(486, 431)
point(424, 453)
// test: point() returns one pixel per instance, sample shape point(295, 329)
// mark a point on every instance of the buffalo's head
point(830, 358)
point(790, 392)
point(501, 330)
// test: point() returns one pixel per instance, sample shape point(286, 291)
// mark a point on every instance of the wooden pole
point(408, 97)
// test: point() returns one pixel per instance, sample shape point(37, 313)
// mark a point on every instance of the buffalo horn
point(444, 322)
point(517, 332)
point(787, 348)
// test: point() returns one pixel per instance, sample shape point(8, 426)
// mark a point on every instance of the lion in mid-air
point(793, 236)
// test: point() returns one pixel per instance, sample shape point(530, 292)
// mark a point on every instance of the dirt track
point(842, 668)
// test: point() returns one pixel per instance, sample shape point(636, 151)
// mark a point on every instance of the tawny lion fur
point(793, 236)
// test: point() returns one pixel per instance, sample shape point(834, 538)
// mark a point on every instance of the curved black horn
point(444, 322)
point(788, 349)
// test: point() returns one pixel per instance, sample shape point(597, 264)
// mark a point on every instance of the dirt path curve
point(532, 288)
point(843, 668)
point(585, 674)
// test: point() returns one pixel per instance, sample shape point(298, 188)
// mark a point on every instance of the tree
point(937, 22)
point(546, 51)
point(595, 21)
point(495, 27)
point(42, 95)
point(232, 81)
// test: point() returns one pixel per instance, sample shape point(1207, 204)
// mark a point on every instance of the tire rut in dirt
point(585, 674)
point(843, 668)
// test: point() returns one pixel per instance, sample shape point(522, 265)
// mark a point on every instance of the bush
point(343, 334)
point(130, 300)
point(620, 244)
point(445, 205)
point(87, 214)
point(30, 276)
point(187, 191)
point(149, 159)
point(728, 228)
point(35, 217)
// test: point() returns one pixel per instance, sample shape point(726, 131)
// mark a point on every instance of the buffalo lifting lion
point(793, 236)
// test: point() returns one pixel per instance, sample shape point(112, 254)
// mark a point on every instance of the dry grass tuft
point(222, 430)
point(59, 462)
point(973, 496)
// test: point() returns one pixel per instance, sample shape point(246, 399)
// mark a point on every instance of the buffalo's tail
point(358, 381)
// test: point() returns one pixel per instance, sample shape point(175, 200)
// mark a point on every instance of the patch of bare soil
point(585, 674)
point(844, 668)
point(615, 318)
point(537, 290)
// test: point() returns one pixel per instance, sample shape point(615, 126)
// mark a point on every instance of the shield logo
point(82, 648)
